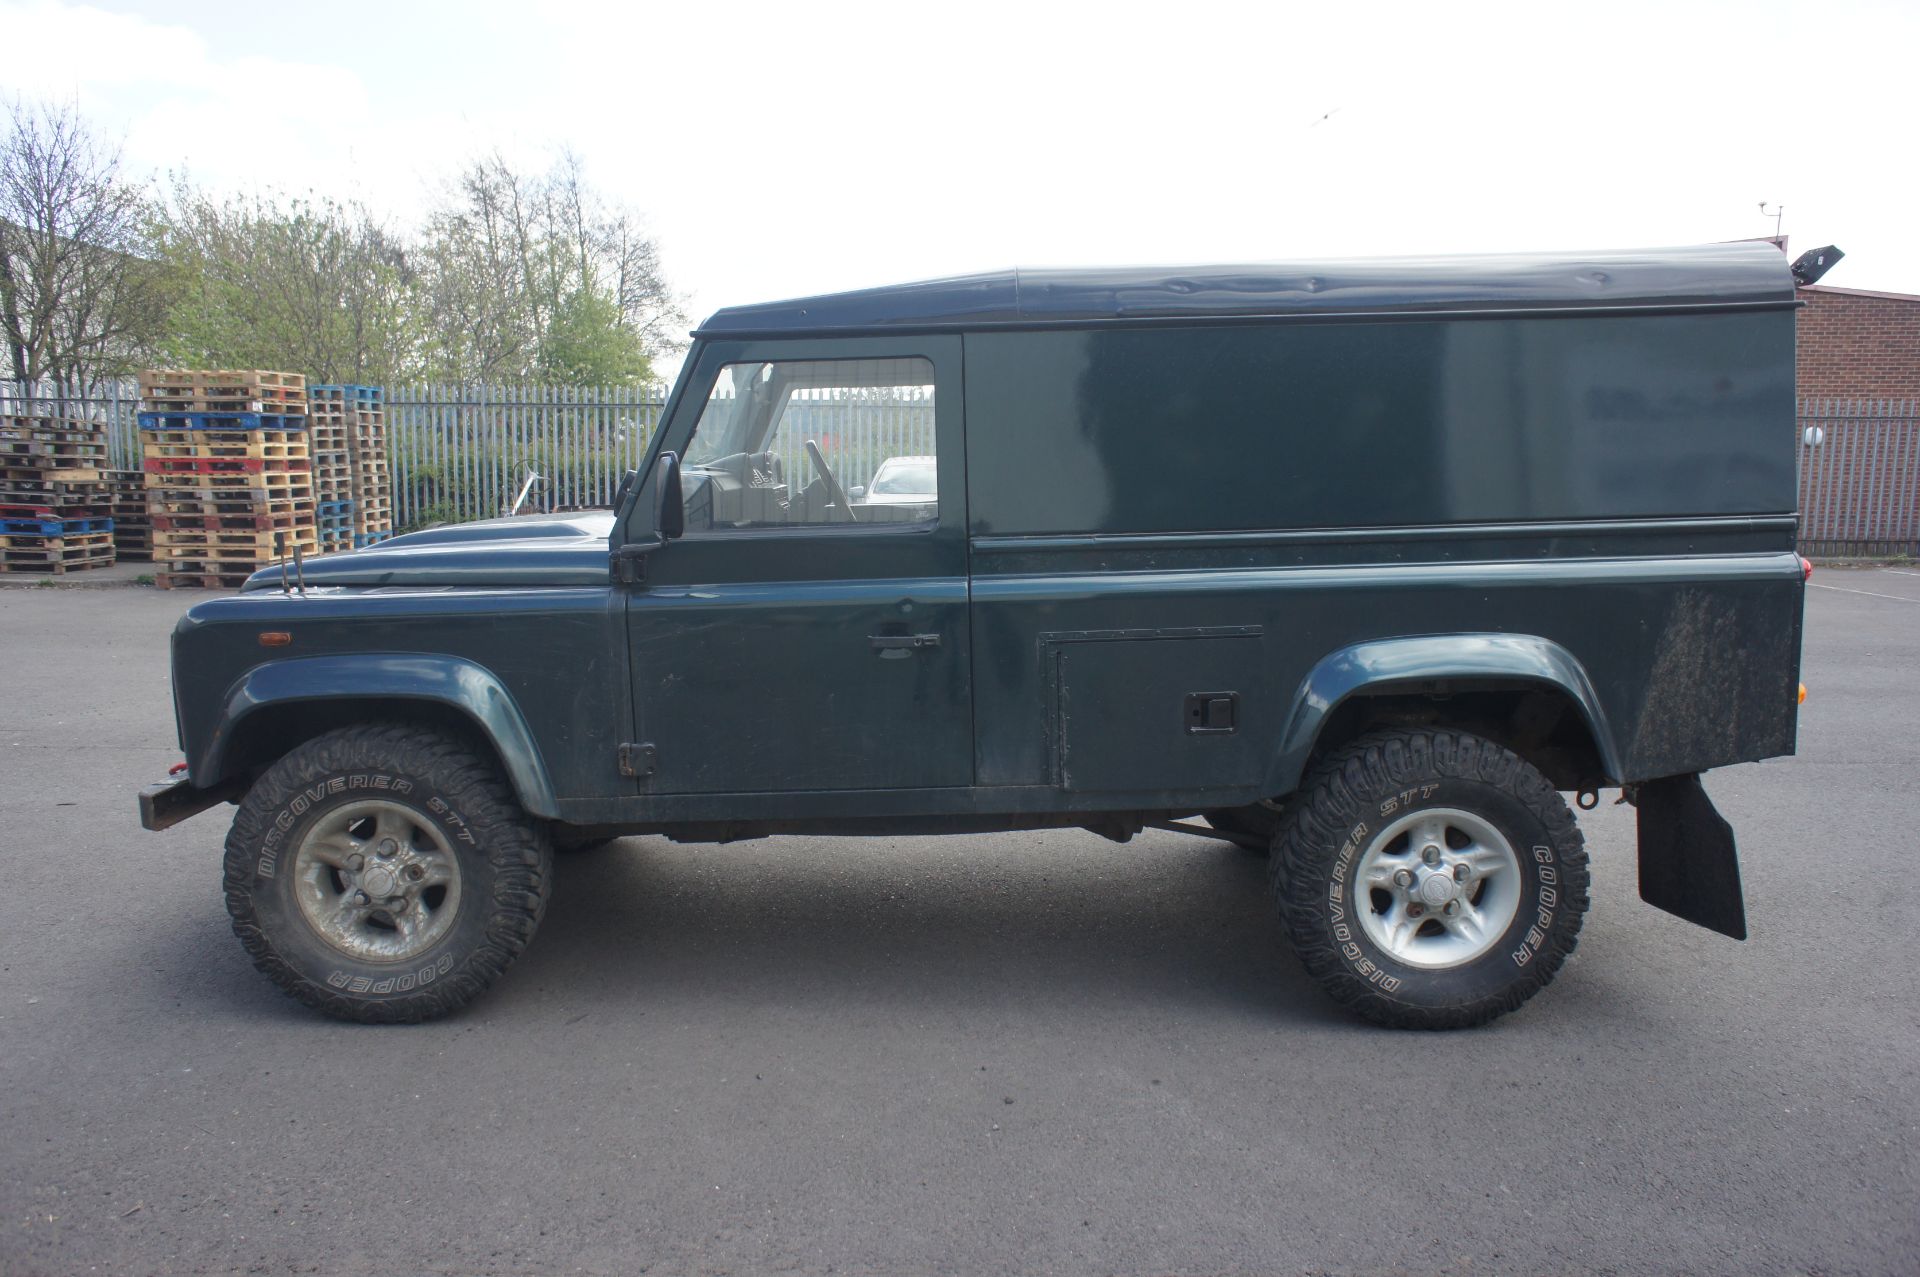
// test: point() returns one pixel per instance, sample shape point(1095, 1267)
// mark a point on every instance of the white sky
point(784, 149)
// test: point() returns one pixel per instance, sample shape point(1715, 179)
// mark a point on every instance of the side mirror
point(856, 493)
point(670, 506)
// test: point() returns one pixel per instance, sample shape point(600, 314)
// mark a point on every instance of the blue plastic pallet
point(365, 394)
point(221, 421)
point(53, 527)
point(361, 540)
point(335, 507)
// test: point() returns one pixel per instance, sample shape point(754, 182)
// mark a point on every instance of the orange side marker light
point(275, 638)
point(1803, 694)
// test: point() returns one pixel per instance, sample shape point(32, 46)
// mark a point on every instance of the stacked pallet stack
point(228, 473)
point(332, 466)
point(54, 506)
point(127, 503)
point(372, 480)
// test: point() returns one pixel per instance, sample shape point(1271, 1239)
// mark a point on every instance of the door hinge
point(638, 760)
point(630, 562)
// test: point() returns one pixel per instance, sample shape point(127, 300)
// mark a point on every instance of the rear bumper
point(166, 804)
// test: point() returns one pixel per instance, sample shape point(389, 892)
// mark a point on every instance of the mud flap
point(1688, 864)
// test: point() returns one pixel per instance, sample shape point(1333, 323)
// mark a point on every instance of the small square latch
point(1212, 713)
point(638, 761)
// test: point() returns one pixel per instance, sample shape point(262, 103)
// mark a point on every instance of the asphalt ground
point(1025, 1053)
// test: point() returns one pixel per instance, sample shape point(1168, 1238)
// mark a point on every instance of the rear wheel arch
point(1525, 693)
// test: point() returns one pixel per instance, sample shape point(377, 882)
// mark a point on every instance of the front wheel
point(1430, 879)
point(384, 873)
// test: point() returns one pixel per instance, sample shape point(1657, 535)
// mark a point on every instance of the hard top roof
point(1711, 275)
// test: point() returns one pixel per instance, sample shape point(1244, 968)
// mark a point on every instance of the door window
point(814, 443)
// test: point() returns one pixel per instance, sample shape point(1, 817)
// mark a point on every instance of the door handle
point(898, 645)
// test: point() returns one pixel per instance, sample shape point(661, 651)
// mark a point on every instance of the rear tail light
point(1806, 567)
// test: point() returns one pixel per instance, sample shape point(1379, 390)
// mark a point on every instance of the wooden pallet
point(60, 568)
point(230, 522)
point(264, 543)
point(268, 468)
point(61, 506)
point(79, 543)
point(76, 429)
point(230, 487)
point(171, 503)
point(55, 557)
point(170, 580)
point(219, 378)
point(61, 525)
point(228, 568)
point(11, 470)
point(153, 419)
point(49, 442)
point(243, 401)
point(262, 445)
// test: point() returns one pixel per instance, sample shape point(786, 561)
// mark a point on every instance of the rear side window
point(814, 443)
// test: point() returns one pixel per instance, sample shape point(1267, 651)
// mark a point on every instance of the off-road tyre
point(1384, 777)
point(505, 861)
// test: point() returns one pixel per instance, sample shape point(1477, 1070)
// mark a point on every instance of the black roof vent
point(1815, 262)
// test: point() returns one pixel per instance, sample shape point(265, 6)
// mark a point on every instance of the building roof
point(1750, 274)
point(1861, 292)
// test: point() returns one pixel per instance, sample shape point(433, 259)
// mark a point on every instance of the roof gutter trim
point(1404, 314)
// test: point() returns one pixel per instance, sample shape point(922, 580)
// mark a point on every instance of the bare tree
point(541, 276)
point(80, 297)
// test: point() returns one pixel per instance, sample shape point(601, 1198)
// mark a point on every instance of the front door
point(809, 632)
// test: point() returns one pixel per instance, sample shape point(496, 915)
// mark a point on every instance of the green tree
point(311, 284)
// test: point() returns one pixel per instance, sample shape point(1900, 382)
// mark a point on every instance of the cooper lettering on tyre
point(1430, 879)
point(385, 873)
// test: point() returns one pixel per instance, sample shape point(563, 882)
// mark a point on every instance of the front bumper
point(166, 804)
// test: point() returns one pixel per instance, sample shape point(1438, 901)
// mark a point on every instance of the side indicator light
point(1803, 694)
point(275, 638)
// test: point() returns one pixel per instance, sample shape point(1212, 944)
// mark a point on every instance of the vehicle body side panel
point(541, 671)
point(1643, 645)
point(1617, 489)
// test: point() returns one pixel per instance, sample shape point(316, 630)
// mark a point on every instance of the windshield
point(912, 475)
point(723, 424)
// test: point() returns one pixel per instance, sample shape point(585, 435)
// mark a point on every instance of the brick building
point(1853, 343)
point(1857, 360)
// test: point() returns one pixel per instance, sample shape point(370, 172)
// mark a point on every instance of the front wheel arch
point(279, 705)
point(258, 740)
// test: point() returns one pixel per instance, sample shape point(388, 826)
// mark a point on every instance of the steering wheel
point(834, 490)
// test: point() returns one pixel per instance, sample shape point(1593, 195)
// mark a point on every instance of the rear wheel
point(1430, 879)
point(384, 873)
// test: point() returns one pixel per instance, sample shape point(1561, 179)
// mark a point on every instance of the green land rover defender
point(1359, 564)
